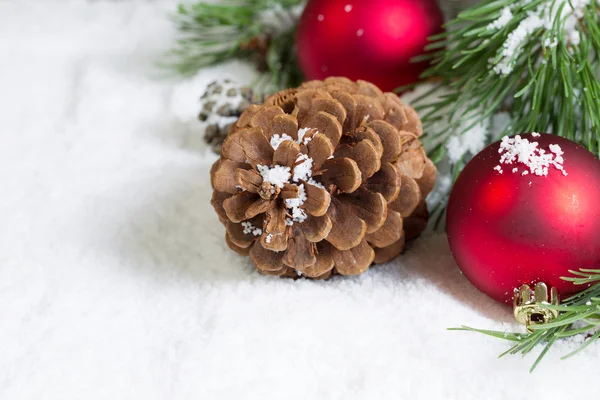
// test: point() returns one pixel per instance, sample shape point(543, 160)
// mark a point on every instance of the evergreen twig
point(579, 316)
point(237, 29)
point(550, 84)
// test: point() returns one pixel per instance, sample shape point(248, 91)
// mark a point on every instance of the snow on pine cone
point(327, 178)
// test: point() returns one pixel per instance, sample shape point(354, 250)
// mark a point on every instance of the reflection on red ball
point(366, 39)
point(508, 229)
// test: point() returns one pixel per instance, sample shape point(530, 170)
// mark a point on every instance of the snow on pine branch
point(543, 18)
point(276, 19)
point(469, 138)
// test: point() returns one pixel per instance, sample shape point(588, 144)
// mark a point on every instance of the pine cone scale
point(248, 179)
point(256, 147)
point(275, 220)
point(364, 154)
point(354, 261)
point(390, 231)
point(320, 150)
point(262, 118)
point(232, 149)
point(386, 182)
point(390, 141)
point(224, 176)
point(266, 260)
point(408, 198)
point(284, 125)
point(348, 229)
point(317, 229)
point(343, 173)
point(317, 200)
point(368, 206)
point(277, 243)
point(301, 252)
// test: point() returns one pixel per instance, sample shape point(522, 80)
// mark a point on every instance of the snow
point(515, 40)
point(277, 139)
point(472, 141)
point(222, 99)
point(303, 168)
point(278, 20)
point(251, 229)
point(521, 150)
point(550, 43)
point(116, 282)
point(301, 136)
point(542, 17)
point(298, 214)
point(473, 137)
point(276, 175)
point(505, 17)
point(313, 182)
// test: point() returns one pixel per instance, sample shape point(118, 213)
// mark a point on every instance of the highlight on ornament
point(324, 179)
point(364, 39)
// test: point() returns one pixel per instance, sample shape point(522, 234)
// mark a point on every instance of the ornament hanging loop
point(527, 305)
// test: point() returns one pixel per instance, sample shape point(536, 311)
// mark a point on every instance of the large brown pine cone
point(327, 178)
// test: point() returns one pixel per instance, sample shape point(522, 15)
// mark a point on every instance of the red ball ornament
point(508, 226)
point(366, 39)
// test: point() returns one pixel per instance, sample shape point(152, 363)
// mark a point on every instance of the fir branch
point(260, 31)
point(537, 60)
point(579, 317)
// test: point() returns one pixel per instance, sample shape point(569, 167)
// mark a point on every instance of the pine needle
point(547, 82)
point(579, 317)
point(259, 31)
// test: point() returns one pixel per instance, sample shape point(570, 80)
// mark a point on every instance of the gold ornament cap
point(527, 305)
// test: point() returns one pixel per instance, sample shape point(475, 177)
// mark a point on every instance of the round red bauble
point(507, 227)
point(366, 39)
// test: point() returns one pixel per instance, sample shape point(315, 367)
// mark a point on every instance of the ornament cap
point(527, 305)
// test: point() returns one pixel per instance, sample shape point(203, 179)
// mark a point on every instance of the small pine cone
point(221, 105)
point(327, 178)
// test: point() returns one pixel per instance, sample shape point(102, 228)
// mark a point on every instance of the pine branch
point(537, 60)
point(260, 31)
point(579, 317)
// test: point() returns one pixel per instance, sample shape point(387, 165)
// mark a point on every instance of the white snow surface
point(115, 279)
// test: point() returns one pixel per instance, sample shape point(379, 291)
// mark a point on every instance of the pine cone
point(327, 178)
point(221, 105)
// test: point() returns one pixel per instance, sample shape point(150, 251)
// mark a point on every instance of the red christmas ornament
point(508, 226)
point(365, 39)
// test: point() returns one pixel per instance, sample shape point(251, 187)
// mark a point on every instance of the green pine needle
point(579, 316)
point(210, 34)
point(554, 80)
